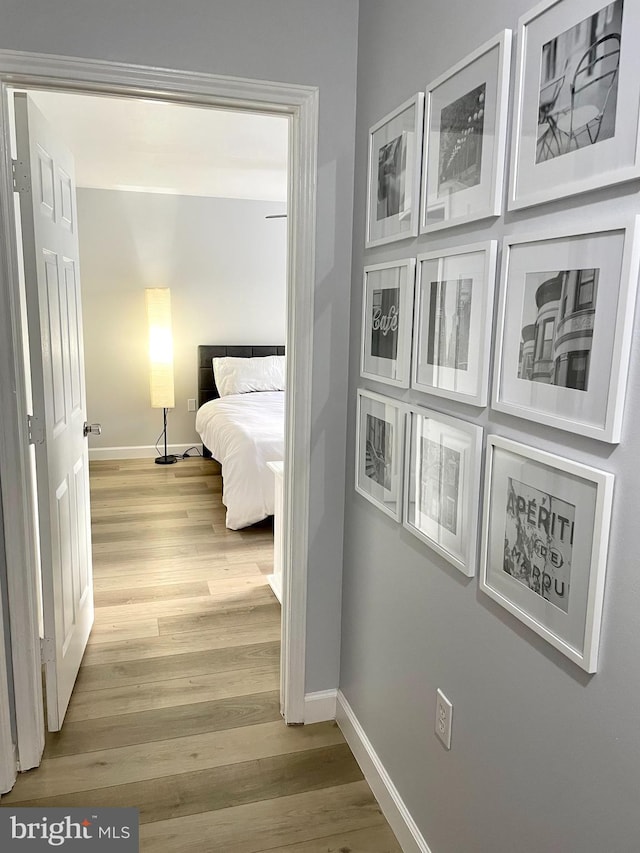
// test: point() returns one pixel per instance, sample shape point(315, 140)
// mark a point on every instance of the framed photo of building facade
point(379, 448)
point(544, 544)
point(393, 186)
point(452, 322)
point(465, 137)
point(577, 99)
point(387, 312)
point(443, 456)
point(564, 330)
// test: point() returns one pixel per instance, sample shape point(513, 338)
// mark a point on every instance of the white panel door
point(45, 178)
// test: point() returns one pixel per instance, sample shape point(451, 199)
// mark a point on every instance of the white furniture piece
point(275, 580)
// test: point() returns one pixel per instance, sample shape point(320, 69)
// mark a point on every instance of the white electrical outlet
point(191, 405)
point(444, 714)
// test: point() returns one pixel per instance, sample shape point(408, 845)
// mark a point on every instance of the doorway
point(300, 105)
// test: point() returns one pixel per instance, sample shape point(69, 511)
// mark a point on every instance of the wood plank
point(128, 531)
point(375, 839)
point(221, 787)
point(143, 594)
point(262, 825)
point(176, 644)
point(89, 705)
point(162, 723)
point(152, 576)
point(255, 594)
point(262, 614)
point(111, 675)
point(134, 630)
point(101, 519)
point(73, 773)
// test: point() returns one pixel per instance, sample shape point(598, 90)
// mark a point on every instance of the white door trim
point(300, 103)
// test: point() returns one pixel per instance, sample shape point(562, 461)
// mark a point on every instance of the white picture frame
point(577, 100)
point(387, 314)
point(544, 544)
point(443, 459)
point(379, 451)
point(565, 323)
point(452, 322)
point(393, 174)
point(465, 138)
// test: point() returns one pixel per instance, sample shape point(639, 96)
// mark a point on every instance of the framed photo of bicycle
point(387, 312)
point(393, 185)
point(545, 538)
point(453, 322)
point(565, 324)
point(443, 456)
point(465, 138)
point(379, 451)
point(577, 99)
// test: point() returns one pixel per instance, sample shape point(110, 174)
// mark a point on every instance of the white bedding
point(244, 432)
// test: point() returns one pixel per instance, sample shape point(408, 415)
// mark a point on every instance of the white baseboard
point(405, 828)
point(143, 451)
point(320, 706)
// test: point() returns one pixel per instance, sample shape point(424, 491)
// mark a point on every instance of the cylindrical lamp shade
point(158, 301)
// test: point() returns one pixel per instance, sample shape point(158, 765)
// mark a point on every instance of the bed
point(243, 432)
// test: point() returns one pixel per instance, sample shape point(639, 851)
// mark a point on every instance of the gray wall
point(292, 41)
point(226, 267)
point(544, 757)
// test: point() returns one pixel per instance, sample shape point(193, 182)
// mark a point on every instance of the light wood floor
point(176, 706)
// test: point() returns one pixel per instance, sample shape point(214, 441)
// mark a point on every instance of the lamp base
point(165, 460)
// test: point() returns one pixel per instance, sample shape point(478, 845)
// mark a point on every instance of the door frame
point(300, 104)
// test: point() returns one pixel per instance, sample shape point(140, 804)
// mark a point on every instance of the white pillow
point(242, 375)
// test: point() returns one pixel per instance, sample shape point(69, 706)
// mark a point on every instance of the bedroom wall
point(544, 757)
point(293, 41)
point(226, 267)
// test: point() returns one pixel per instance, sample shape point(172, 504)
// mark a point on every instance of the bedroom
point(171, 187)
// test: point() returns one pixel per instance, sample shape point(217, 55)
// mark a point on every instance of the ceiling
point(152, 146)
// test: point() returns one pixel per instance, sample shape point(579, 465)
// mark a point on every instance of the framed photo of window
point(393, 185)
point(577, 99)
point(465, 138)
point(443, 456)
point(379, 448)
point(564, 330)
point(544, 544)
point(387, 311)
point(452, 322)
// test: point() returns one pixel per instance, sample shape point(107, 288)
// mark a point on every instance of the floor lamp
point(158, 300)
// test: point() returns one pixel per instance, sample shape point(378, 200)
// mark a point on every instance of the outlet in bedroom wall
point(191, 405)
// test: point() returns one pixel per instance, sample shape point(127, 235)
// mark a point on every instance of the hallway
point(176, 709)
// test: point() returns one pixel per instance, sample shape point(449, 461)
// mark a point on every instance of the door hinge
point(47, 650)
point(35, 430)
point(20, 177)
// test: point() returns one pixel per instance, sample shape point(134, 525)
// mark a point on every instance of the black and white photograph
point(557, 327)
point(393, 175)
point(465, 138)
point(387, 312)
point(461, 132)
point(578, 95)
point(442, 485)
point(577, 104)
point(452, 322)
point(392, 167)
point(565, 325)
point(546, 522)
point(379, 451)
point(538, 541)
point(449, 323)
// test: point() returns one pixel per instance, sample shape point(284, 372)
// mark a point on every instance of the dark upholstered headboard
point(206, 384)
